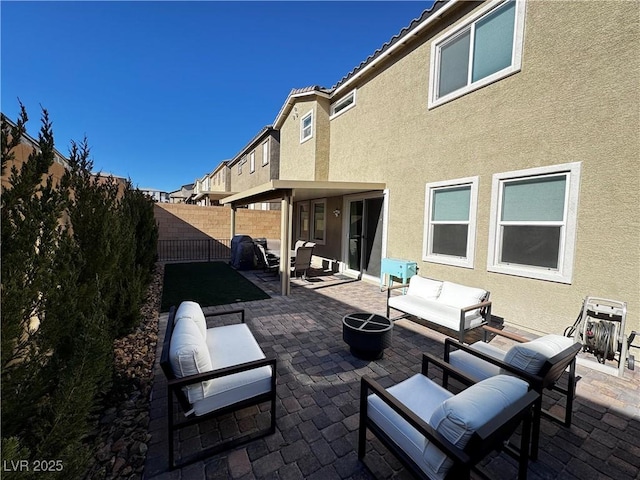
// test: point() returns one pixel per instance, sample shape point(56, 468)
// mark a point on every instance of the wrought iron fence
point(208, 249)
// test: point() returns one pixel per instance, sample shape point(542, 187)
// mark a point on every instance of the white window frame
point(303, 137)
point(335, 108)
point(303, 233)
point(265, 153)
point(312, 216)
point(427, 250)
point(516, 59)
point(252, 162)
point(566, 253)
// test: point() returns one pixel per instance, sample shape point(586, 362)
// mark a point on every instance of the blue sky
point(164, 91)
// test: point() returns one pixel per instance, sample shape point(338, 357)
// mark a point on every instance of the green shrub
point(76, 260)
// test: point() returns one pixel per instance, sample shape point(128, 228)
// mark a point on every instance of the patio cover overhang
point(288, 192)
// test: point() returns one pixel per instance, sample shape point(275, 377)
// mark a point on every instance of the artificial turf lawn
point(208, 284)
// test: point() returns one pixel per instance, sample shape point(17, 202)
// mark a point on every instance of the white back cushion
point(459, 417)
point(460, 296)
point(189, 355)
point(424, 287)
point(193, 311)
point(530, 356)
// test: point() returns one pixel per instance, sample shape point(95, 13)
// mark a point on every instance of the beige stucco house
point(496, 143)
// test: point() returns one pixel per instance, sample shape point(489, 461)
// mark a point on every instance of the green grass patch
point(208, 284)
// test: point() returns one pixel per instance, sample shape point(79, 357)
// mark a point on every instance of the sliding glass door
point(364, 234)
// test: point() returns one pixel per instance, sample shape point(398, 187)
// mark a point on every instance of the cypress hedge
point(77, 257)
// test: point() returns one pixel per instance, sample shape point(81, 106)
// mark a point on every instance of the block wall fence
point(181, 221)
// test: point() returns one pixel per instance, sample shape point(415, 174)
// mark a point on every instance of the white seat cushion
point(189, 355)
point(228, 346)
point(194, 312)
point(459, 417)
point(530, 356)
point(434, 311)
point(422, 397)
point(474, 366)
point(424, 287)
point(460, 296)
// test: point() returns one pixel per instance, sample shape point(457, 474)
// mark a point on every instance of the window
point(343, 104)
point(265, 153)
point(318, 225)
point(252, 162)
point(450, 222)
point(303, 221)
point(485, 49)
point(306, 127)
point(533, 222)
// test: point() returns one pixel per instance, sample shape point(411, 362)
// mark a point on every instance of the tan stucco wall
point(576, 99)
point(297, 160)
point(248, 179)
point(181, 221)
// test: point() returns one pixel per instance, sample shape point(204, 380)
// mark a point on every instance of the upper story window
point(485, 49)
point(344, 104)
point(450, 222)
point(306, 127)
point(533, 222)
point(252, 162)
point(265, 153)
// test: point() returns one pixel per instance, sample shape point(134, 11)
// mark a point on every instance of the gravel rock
point(120, 440)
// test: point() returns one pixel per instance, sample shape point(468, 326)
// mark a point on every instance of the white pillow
point(458, 417)
point(530, 356)
point(456, 295)
point(193, 311)
point(424, 287)
point(189, 355)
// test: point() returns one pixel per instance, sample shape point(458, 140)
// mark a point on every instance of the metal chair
point(302, 261)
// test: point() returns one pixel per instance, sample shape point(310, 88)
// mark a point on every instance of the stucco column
point(285, 244)
point(233, 221)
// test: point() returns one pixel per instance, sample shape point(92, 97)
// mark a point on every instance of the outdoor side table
point(367, 334)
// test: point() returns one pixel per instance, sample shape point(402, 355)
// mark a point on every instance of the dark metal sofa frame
point(175, 385)
point(546, 378)
point(485, 440)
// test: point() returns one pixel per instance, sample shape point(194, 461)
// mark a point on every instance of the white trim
point(304, 138)
point(566, 254)
point(252, 161)
point(351, 95)
point(516, 58)
point(468, 260)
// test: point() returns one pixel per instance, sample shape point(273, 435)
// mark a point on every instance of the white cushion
point(194, 312)
point(434, 311)
point(474, 366)
point(189, 355)
point(460, 296)
point(232, 345)
point(424, 287)
point(422, 397)
point(530, 356)
point(458, 418)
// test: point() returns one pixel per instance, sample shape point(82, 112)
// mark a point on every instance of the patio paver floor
point(319, 387)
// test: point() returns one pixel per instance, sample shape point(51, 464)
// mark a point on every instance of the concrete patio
point(318, 391)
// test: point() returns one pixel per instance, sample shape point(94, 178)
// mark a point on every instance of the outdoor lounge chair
point(541, 362)
point(302, 262)
point(268, 262)
point(439, 435)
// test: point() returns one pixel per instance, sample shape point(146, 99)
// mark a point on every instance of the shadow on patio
point(319, 387)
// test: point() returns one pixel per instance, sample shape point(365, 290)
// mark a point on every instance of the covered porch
point(346, 221)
